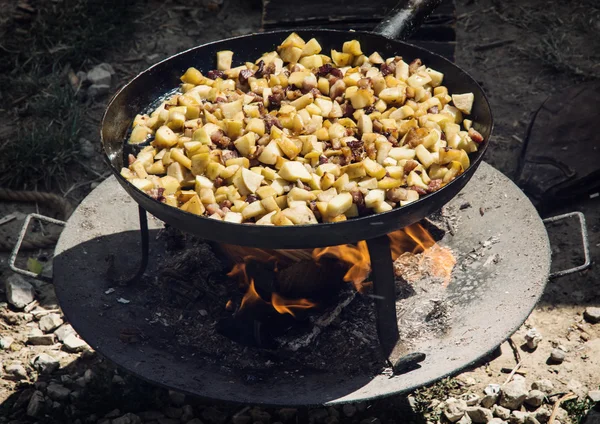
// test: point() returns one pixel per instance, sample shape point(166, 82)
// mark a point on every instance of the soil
point(516, 80)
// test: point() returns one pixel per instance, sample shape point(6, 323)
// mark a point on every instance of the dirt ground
point(538, 59)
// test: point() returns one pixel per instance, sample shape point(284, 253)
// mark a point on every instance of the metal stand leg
point(384, 290)
point(145, 248)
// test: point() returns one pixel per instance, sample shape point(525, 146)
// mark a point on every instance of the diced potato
point(246, 145)
point(279, 219)
point(266, 219)
point(139, 134)
point(374, 197)
point(193, 76)
point(300, 215)
point(165, 137)
point(194, 205)
point(254, 209)
point(251, 180)
point(142, 184)
point(296, 194)
point(224, 59)
point(373, 168)
point(436, 77)
point(362, 98)
point(341, 59)
point(339, 204)
point(234, 217)
point(354, 170)
point(394, 95)
point(463, 102)
point(270, 153)
point(293, 171)
point(352, 47)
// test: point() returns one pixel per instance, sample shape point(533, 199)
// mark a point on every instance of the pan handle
point(405, 18)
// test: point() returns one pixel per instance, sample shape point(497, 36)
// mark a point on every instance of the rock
point(151, 415)
point(241, 419)
point(36, 404)
point(45, 364)
point(533, 338)
point(19, 292)
point(172, 412)
point(592, 417)
point(88, 376)
point(315, 415)
point(594, 395)
point(213, 416)
point(465, 420)
point(542, 414)
point(479, 414)
point(496, 421)
point(16, 371)
point(169, 421)
point(86, 148)
point(177, 398)
point(530, 419)
point(128, 418)
point(514, 394)
point(197, 421)
point(74, 344)
point(545, 386)
point(81, 76)
point(471, 399)
point(501, 412)
point(38, 338)
point(489, 400)
point(97, 90)
point(107, 67)
point(535, 398)
point(349, 410)
point(454, 409)
point(5, 342)
point(258, 414)
point(63, 331)
point(57, 392)
point(557, 356)
point(50, 322)
point(562, 415)
point(517, 417)
point(333, 412)
point(113, 414)
point(99, 75)
point(592, 314)
point(118, 380)
point(577, 387)
point(188, 413)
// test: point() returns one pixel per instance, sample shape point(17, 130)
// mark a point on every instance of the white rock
point(38, 338)
point(594, 395)
point(63, 331)
point(557, 355)
point(535, 398)
point(36, 404)
point(45, 364)
point(501, 412)
point(97, 90)
point(470, 398)
point(16, 371)
point(74, 344)
point(533, 338)
point(19, 292)
point(107, 67)
point(50, 322)
point(492, 389)
point(99, 75)
point(517, 417)
point(542, 414)
point(496, 421)
point(465, 420)
point(545, 386)
point(592, 314)
point(514, 394)
point(5, 342)
point(454, 409)
point(479, 414)
point(86, 148)
point(57, 392)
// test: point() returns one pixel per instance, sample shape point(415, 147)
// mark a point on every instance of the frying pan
point(163, 78)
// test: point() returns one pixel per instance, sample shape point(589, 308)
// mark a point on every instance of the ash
point(188, 298)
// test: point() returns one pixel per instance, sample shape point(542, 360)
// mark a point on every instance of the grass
point(41, 107)
point(441, 390)
point(577, 409)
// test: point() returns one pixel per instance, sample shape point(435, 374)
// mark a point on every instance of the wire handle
point(15, 251)
point(405, 18)
point(584, 240)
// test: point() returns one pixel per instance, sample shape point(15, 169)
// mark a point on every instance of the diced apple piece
point(193, 76)
point(362, 98)
point(382, 207)
point(178, 156)
point(194, 205)
point(157, 168)
point(293, 171)
point(418, 80)
point(203, 182)
point(415, 179)
point(231, 109)
point(199, 163)
point(365, 125)
point(376, 59)
point(234, 217)
point(383, 149)
point(270, 153)
point(266, 219)
point(402, 70)
point(341, 59)
point(453, 112)
point(354, 170)
point(165, 137)
point(352, 47)
point(388, 182)
point(300, 214)
point(373, 168)
point(224, 59)
point(207, 196)
point(300, 194)
point(139, 134)
point(142, 184)
point(424, 156)
point(266, 191)
point(279, 219)
point(327, 195)
point(312, 47)
point(170, 184)
point(175, 171)
point(325, 104)
point(368, 183)
point(251, 179)
point(374, 197)
point(303, 101)
point(394, 95)
point(463, 102)
point(436, 77)
point(311, 62)
point(253, 209)
point(246, 145)
point(339, 204)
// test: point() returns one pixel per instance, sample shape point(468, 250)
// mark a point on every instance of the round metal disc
point(503, 262)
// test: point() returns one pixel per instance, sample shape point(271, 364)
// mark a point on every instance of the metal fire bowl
point(492, 298)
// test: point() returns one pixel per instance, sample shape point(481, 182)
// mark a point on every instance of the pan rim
point(274, 231)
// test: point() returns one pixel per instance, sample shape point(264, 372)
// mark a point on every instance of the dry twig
point(566, 397)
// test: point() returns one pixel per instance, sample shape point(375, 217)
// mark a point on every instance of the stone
point(489, 400)
point(63, 331)
point(5, 342)
point(333, 412)
point(530, 419)
point(479, 414)
point(173, 412)
point(545, 386)
point(86, 148)
point(118, 380)
point(594, 395)
point(465, 420)
point(88, 376)
point(514, 394)
point(535, 398)
point(107, 67)
point(97, 90)
point(287, 414)
point(16, 371)
point(99, 75)
point(241, 419)
point(128, 418)
point(35, 407)
point(496, 421)
point(592, 314)
point(349, 410)
point(454, 409)
point(57, 392)
point(50, 322)
point(151, 415)
point(74, 344)
point(517, 417)
point(317, 415)
point(19, 292)
point(196, 421)
point(38, 338)
point(170, 421)
point(492, 389)
point(542, 414)
point(177, 398)
point(258, 414)
point(471, 399)
point(45, 364)
point(501, 412)
point(113, 414)
point(187, 414)
point(557, 356)
point(533, 338)
point(213, 416)
point(562, 415)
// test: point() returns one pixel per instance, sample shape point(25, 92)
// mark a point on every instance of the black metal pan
point(163, 77)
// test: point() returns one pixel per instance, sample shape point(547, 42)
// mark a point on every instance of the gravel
point(19, 292)
point(517, 417)
point(535, 398)
point(37, 338)
point(57, 392)
point(45, 364)
point(557, 356)
point(455, 409)
point(64, 331)
point(545, 386)
point(514, 394)
point(501, 412)
point(6, 342)
point(74, 344)
point(479, 414)
point(16, 371)
point(50, 322)
point(592, 314)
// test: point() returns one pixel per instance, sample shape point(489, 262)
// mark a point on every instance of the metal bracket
point(15, 251)
point(584, 240)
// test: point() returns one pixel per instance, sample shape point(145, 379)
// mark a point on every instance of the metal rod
point(584, 240)
point(384, 290)
point(145, 245)
point(405, 18)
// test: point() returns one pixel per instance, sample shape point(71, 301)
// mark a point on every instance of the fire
point(426, 256)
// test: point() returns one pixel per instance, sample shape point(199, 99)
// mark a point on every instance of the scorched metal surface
point(491, 298)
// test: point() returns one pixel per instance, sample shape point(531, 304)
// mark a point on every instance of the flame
point(356, 257)
point(287, 306)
